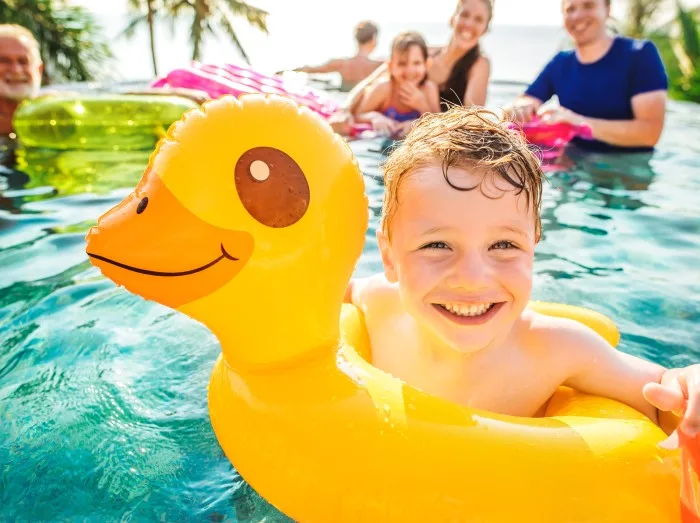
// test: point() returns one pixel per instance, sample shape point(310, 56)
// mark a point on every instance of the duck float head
point(250, 218)
point(249, 213)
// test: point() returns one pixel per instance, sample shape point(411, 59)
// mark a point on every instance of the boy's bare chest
point(513, 386)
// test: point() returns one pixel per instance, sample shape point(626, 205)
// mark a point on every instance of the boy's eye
point(435, 245)
point(505, 244)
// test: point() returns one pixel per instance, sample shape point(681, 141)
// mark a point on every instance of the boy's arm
point(595, 367)
point(359, 288)
point(348, 292)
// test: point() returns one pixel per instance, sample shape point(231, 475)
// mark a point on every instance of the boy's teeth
point(467, 310)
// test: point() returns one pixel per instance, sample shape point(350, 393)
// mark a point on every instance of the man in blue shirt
point(615, 85)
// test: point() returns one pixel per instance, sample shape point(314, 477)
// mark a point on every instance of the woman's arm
point(477, 82)
point(432, 97)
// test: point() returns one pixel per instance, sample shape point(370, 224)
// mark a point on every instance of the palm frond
point(256, 17)
point(69, 39)
point(231, 32)
point(690, 35)
point(133, 24)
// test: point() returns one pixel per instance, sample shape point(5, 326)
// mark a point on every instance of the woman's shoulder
point(482, 61)
point(480, 67)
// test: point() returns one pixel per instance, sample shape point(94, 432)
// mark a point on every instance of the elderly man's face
point(20, 69)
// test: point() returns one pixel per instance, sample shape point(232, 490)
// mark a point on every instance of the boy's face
point(463, 259)
point(408, 66)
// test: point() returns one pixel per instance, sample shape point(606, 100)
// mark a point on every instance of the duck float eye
point(272, 187)
point(142, 205)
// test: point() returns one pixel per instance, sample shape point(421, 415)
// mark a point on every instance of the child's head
point(409, 58)
point(366, 33)
point(460, 223)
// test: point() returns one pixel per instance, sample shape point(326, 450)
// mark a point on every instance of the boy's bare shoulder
point(562, 339)
point(372, 290)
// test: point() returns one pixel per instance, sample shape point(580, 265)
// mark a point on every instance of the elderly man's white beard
point(19, 91)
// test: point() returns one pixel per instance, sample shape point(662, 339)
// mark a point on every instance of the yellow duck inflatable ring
point(250, 218)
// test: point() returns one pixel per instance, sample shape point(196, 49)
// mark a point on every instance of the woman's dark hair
point(456, 84)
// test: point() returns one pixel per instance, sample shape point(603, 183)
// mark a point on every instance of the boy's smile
point(463, 258)
point(466, 314)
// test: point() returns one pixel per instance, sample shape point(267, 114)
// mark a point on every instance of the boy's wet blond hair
point(465, 137)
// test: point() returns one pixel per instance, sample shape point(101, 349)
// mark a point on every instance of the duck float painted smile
point(250, 218)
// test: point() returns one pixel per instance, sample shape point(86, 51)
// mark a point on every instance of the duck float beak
point(155, 247)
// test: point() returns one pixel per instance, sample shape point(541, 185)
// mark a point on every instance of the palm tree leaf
point(210, 14)
point(133, 24)
point(231, 32)
point(256, 17)
point(689, 34)
point(69, 38)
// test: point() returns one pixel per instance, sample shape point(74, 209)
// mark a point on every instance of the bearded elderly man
point(20, 71)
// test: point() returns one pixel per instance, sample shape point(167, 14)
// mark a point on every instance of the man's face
point(20, 69)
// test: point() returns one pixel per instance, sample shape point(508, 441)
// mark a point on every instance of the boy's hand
point(679, 393)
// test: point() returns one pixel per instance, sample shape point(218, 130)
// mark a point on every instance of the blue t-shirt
point(603, 89)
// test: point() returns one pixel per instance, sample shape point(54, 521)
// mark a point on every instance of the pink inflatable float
point(218, 80)
point(552, 138)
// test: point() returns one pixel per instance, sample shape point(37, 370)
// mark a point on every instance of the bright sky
point(508, 12)
point(296, 36)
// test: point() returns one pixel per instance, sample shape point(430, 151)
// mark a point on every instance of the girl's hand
point(383, 124)
point(403, 129)
point(413, 96)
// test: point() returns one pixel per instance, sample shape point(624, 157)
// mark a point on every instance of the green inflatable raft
point(105, 122)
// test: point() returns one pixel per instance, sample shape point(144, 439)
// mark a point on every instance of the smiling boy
point(449, 315)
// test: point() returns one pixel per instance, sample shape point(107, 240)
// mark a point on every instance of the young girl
point(392, 105)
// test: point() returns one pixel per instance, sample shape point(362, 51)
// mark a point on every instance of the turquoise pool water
point(103, 412)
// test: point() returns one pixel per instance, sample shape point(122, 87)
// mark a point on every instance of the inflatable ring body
point(259, 246)
point(98, 121)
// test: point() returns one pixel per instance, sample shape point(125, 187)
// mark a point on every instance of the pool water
point(103, 411)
